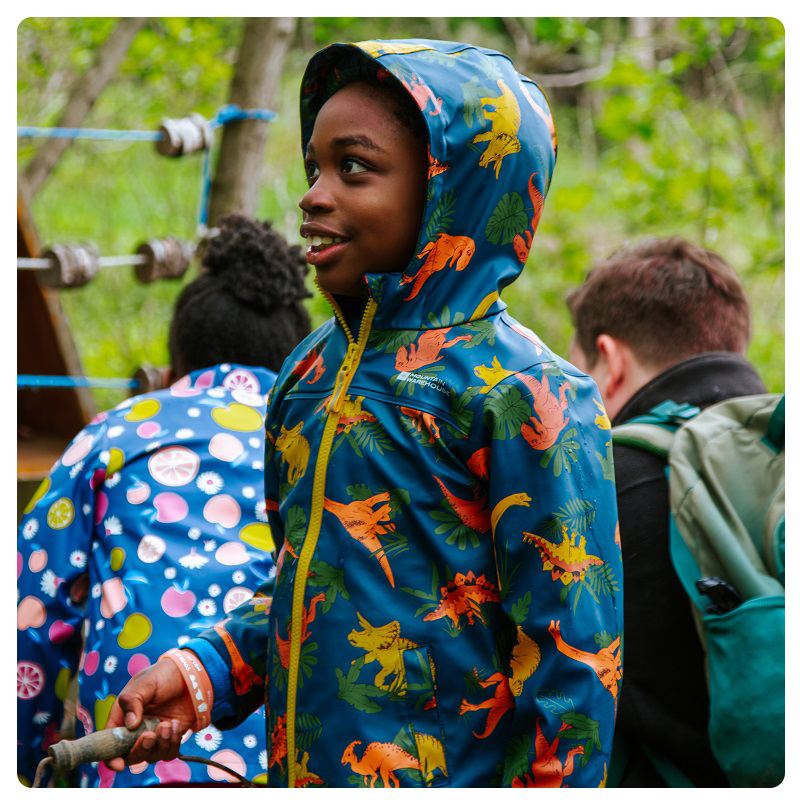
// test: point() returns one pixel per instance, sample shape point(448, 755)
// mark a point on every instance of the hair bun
point(254, 263)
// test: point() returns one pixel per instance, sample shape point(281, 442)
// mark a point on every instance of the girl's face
point(367, 176)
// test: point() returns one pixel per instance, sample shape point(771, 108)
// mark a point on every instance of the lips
point(324, 245)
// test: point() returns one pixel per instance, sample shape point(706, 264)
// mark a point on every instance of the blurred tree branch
point(82, 97)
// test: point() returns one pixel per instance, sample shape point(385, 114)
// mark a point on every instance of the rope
point(73, 381)
point(225, 115)
point(103, 261)
point(88, 133)
point(37, 778)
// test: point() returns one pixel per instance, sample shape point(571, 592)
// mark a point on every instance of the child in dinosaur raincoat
point(447, 609)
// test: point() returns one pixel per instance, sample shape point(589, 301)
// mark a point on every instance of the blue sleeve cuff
point(220, 676)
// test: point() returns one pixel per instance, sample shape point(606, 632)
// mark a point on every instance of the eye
point(352, 167)
point(312, 171)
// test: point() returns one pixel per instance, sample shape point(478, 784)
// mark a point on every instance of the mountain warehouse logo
point(429, 381)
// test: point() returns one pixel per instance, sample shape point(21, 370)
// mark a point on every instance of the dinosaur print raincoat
point(447, 609)
point(150, 526)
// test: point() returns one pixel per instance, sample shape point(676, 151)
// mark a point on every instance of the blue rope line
point(72, 381)
point(226, 114)
point(89, 133)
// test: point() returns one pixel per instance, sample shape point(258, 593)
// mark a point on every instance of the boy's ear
point(615, 357)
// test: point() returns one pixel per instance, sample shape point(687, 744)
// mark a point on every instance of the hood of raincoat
point(492, 150)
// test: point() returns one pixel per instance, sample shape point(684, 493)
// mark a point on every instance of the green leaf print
point(399, 500)
point(582, 728)
point(473, 108)
point(460, 411)
point(607, 462)
point(516, 763)
point(329, 578)
point(508, 219)
point(603, 639)
point(308, 729)
point(505, 410)
point(601, 580)
point(295, 527)
point(442, 215)
point(435, 57)
point(370, 435)
point(444, 320)
point(555, 702)
point(577, 514)
point(458, 532)
point(562, 453)
point(519, 611)
point(481, 330)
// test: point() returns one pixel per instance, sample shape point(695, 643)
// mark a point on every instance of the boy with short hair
point(447, 610)
point(660, 320)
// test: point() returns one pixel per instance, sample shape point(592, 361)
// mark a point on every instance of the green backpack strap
point(653, 432)
point(776, 430)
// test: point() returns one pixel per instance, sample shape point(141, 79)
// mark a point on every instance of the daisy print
point(49, 584)
point(250, 740)
point(207, 607)
point(214, 590)
point(193, 560)
point(193, 533)
point(262, 759)
point(110, 664)
point(208, 738)
point(209, 482)
point(113, 480)
point(113, 526)
point(76, 468)
point(78, 559)
point(42, 717)
point(30, 528)
point(261, 511)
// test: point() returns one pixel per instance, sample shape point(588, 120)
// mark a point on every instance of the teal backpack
point(725, 467)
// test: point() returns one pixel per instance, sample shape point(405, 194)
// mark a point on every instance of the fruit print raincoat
point(447, 609)
point(149, 527)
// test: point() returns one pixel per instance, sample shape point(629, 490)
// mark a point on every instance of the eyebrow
point(358, 140)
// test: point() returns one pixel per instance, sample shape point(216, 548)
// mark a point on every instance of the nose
point(318, 199)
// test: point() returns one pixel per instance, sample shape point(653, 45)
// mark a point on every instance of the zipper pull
point(343, 378)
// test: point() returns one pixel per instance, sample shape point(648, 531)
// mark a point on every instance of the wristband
point(197, 682)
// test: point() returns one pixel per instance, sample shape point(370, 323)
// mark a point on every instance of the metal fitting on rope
point(70, 265)
point(163, 258)
point(150, 379)
point(186, 135)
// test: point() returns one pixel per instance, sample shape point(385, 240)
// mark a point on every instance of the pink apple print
point(91, 662)
point(37, 560)
point(231, 759)
point(223, 510)
point(177, 602)
point(137, 662)
point(225, 447)
point(147, 430)
point(31, 613)
point(106, 775)
point(138, 494)
point(19, 564)
point(175, 771)
point(114, 597)
point(98, 476)
point(101, 506)
point(60, 631)
point(170, 507)
point(75, 452)
point(231, 554)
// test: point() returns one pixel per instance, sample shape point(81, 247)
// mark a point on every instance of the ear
point(170, 376)
point(615, 356)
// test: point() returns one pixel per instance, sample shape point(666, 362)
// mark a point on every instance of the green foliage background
point(689, 141)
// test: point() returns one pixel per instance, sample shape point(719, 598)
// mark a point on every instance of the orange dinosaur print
point(435, 167)
point(529, 335)
point(351, 414)
point(502, 701)
point(422, 419)
point(546, 117)
point(568, 559)
point(478, 462)
point(547, 770)
point(543, 432)
point(605, 663)
point(422, 94)
point(307, 619)
point(302, 776)
point(464, 595)
point(379, 758)
point(278, 738)
point(473, 513)
point(446, 251)
point(426, 350)
point(303, 366)
point(523, 246)
point(244, 678)
point(364, 522)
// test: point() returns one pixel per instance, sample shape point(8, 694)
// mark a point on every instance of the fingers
point(131, 707)
point(162, 745)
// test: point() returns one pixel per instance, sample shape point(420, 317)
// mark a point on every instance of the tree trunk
point(237, 177)
point(82, 97)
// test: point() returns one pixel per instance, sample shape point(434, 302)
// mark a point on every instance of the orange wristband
point(197, 682)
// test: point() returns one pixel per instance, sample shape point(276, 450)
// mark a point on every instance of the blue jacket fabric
point(150, 526)
point(447, 609)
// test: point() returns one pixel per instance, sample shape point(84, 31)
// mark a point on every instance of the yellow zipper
point(344, 376)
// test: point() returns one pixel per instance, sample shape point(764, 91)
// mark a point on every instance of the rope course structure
point(53, 400)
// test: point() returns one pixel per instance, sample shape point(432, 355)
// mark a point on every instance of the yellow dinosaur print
point(568, 560)
point(431, 756)
point(525, 658)
point(376, 49)
point(384, 645)
point(493, 375)
point(302, 776)
point(485, 305)
point(295, 451)
point(601, 420)
point(502, 136)
point(516, 499)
